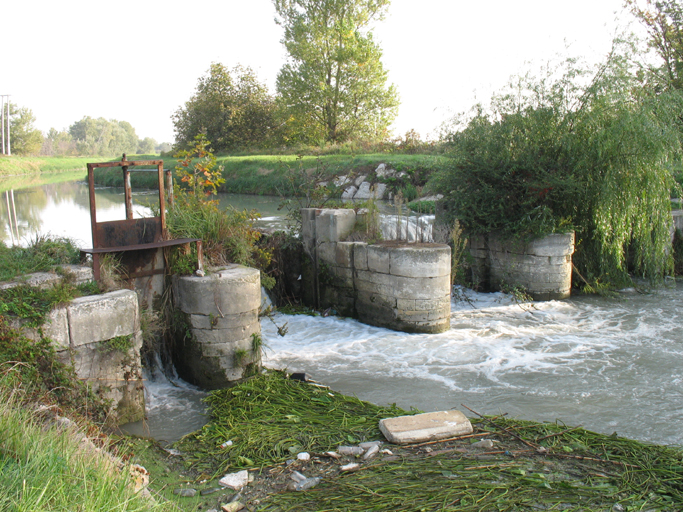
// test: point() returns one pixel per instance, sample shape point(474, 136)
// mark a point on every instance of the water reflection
point(63, 209)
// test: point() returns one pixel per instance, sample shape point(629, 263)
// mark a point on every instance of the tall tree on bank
point(664, 23)
point(25, 139)
point(231, 107)
point(334, 85)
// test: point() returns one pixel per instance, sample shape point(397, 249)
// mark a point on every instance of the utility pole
point(2, 122)
point(9, 147)
point(4, 117)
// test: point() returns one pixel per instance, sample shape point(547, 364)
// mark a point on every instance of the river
point(609, 364)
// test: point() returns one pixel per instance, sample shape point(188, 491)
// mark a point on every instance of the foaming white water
point(608, 364)
point(173, 408)
point(410, 228)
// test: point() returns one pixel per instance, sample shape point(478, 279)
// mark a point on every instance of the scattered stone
point(340, 181)
point(172, 451)
point(359, 180)
point(298, 477)
point(235, 480)
point(350, 450)
point(226, 444)
point(382, 171)
point(435, 198)
point(372, 451)
point(424, 427)
point(303, 456)
point(309, 483)
point(484, 444)
point(387, 452)
point(349, 192)
point(185, 493)
point(232, 507)
point(350, 467)
point(206, 492)
point(334, 455)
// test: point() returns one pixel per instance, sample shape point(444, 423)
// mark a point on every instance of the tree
point(147, 146)
point(565, 151)
point(232, 108)
point(104, 138)
point(334, 84)
point(24, 138)
point(664, 23)
point(58, 143)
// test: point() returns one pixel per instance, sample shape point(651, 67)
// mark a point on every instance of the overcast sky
point(139, 60)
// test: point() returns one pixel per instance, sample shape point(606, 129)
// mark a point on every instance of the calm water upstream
point(607, 364)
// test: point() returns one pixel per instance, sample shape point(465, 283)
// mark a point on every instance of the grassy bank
point(284, 174)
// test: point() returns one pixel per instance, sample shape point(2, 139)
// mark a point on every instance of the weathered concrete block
point(342, 277)
point(102, 317)
point(429, 426)
point(421, 261)
point(379, 259)
point(344, 255)
point(224, 322)
point(403, 287)
point(360, 256)
point(327, 253)
point(334, 225)
point(213, 336)
point(232, 290)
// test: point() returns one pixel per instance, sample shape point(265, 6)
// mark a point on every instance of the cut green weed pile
point(270, 419)
point(262, 424)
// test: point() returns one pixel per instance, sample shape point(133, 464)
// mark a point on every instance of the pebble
point(334, 455)
point(226, 444)
point(185, 493)
point(232, 507)
point(387, 452)
point(350, 467)
point(303, 456)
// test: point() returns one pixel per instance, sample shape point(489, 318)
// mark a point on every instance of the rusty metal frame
point(123, 232)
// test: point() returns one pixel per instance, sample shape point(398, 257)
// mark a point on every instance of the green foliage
point(231, 107)
point(25, 139)
point(33, 304)
point(423, 206)
point(202, 175)
point(663, 20)
point(227, 236)
point(39, 373)
point(103, 138)
point(333, 86)
point(41, 255)
point(576, 148)
point(121, 344)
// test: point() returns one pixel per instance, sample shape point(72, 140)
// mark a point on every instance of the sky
point(139, 60)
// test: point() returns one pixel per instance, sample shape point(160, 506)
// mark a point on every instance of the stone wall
point(217, 334)
point(100, 336)
point(542, 266)
point(392, 284)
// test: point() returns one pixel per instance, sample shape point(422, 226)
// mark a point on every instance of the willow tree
point(333, 84)
point(589, 150)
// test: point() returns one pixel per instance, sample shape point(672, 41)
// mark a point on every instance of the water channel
point(609, 364)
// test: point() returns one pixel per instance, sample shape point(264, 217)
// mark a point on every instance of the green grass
point(271, 174)
point(46, 468)
point(41, 255)
point(20, 165)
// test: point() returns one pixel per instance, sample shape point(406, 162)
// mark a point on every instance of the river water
point(609, 364)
